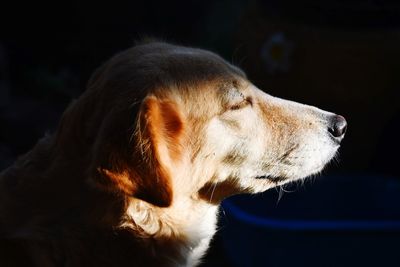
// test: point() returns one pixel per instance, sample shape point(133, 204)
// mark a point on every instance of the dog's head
point(163, 122)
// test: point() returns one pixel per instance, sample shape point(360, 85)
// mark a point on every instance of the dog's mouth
point(271, 178)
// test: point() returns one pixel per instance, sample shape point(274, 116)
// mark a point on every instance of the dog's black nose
point(337, 126)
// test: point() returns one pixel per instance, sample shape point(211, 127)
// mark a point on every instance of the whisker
point(287, 191)
point(281, 191)
point(212, 193)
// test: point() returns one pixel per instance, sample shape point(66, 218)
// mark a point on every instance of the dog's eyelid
point(246, 101)
point(235, 99)
point(235, 93)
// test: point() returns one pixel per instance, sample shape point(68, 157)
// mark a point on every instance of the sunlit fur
point(135, 172)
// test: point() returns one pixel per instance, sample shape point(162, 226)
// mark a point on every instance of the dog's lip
point(336, 140)
point(270, 178)
point(262, 177)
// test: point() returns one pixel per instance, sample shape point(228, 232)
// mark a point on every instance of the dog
point(136, 170)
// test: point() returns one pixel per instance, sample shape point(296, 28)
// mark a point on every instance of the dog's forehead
point(197, 65)
point(193, 73)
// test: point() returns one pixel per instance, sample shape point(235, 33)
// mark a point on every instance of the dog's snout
point(337, 126)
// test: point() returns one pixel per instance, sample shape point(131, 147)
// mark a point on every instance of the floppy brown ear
point(159, 141)
point(143, 168)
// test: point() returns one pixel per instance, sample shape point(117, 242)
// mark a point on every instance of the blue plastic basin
point(349, 220)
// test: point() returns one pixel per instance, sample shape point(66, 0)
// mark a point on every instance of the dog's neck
point(190, 233)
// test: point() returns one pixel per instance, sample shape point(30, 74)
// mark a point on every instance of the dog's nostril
point(338, 126)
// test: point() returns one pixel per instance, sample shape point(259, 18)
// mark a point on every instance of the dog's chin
point(270, 181)
point(263, 183)
point(280, 180)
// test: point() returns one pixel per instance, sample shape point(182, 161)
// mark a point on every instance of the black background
point(342, 56)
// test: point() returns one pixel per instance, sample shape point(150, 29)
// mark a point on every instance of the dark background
point(341, 56)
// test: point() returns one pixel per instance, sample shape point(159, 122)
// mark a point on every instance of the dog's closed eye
point(237, 100)
point(247, 101)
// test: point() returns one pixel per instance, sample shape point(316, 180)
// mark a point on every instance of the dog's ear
point(159, 142)
point(140, 164)
point(123, 147)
